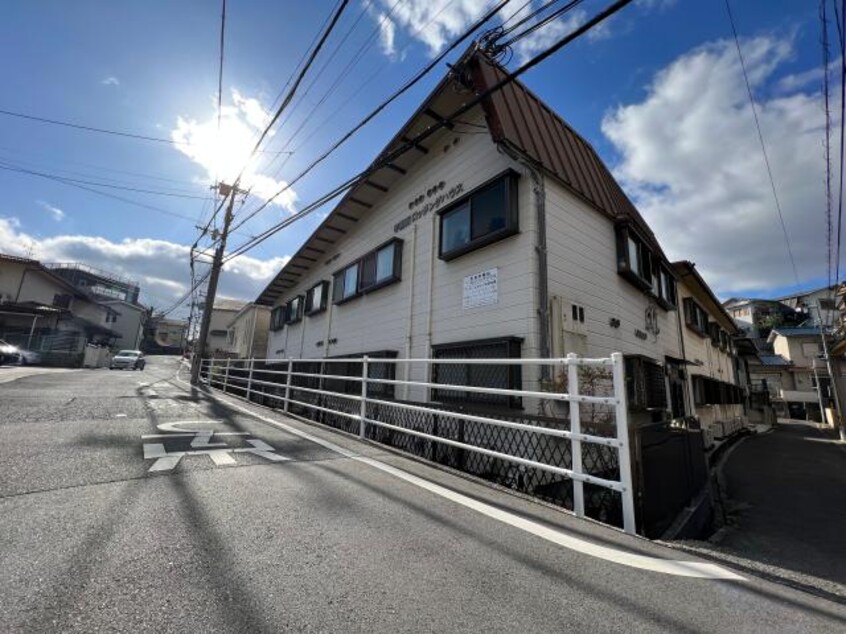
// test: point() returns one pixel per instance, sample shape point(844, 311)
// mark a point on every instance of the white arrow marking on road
point(696, 569)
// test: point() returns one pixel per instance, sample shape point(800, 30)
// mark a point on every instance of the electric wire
point(427, 132)
point(287, 100)
point(840, 16)
point(88, 128)
point(66, 179)
point(763, 144)
point(402, 90)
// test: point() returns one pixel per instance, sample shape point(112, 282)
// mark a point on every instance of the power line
point(88, 128)
point(827, 142)
point(70, 174)
point(66, 179)
point(287, 100)
point(402, 90)
point(841, 28)
point(539, 24)
point(763, 145)
point(411, 143)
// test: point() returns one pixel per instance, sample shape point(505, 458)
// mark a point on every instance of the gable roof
point(687, 269)
point(517, 120)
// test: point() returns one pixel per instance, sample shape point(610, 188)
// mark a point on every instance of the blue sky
point(657, 91)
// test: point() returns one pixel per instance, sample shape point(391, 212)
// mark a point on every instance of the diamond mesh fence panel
point(598, 460)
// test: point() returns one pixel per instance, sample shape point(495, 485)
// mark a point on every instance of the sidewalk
point(785, 494)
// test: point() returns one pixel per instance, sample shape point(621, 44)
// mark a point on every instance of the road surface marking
point(120, 415)
point(192, 434)
point(700, 570)
point(219, 452)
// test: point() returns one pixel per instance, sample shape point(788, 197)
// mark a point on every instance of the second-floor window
point(378, 268)
point(316, 298)
point(277, 318)
point(695, 317)
point(294, 310)
point(486, 215)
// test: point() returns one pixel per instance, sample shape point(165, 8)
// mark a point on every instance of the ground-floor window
point(495, 376)
point(645, 385)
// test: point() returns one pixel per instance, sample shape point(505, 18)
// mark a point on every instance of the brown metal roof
point(516, 118)
point(519, 119)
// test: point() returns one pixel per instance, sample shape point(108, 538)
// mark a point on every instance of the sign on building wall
point(481, 289)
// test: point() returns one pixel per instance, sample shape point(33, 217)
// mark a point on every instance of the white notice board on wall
point(481, 289)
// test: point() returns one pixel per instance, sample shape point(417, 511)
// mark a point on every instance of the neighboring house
point(127, 320)
point(757, 317)
point(812, 305)
point(711, 365)
point(163, 336)
point(44, 312)
point(248, 331)
point(100, 284)
point(220, 340)
point(798, 380)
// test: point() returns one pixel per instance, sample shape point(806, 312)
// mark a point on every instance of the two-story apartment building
point(714, 393)
point(503, 235)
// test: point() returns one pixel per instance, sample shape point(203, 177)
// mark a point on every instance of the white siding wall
point(397, 317)
point(708, 360)
point(582, 255)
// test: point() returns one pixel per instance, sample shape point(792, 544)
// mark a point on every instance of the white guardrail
point(237, 375)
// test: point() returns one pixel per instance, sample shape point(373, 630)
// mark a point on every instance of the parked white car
point(15, 354)
point(128, 359)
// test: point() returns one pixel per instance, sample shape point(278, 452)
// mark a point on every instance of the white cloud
point(160, 266)
point(434, 22)
point(58, 214)
point(387, 34)
point(110, 81)
point(547, 35)
point(691, 158)
point(224, 155)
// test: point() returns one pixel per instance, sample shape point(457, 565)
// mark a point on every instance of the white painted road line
point(193, 434)
point(701, 570)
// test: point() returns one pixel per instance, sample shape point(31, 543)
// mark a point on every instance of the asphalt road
point(298, 528)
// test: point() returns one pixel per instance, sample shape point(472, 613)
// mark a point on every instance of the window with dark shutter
point(507, 377)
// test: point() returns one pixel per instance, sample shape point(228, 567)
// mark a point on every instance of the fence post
point(363, 410)
point(211, 371)
point(226, 374)
point(250, 379)
point(625, 458)
point(288, 384)
point(575, 428)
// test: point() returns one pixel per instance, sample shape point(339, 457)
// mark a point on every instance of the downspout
point(408, 340)
point(542, 270)
point(690, 395)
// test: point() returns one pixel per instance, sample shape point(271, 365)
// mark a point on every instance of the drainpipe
point(539, 193)
point(409, 336)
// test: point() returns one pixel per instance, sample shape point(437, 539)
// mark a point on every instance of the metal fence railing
point(578, 456)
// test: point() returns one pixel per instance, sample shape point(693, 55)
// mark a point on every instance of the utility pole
point(834, 387)
point(217, 263)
